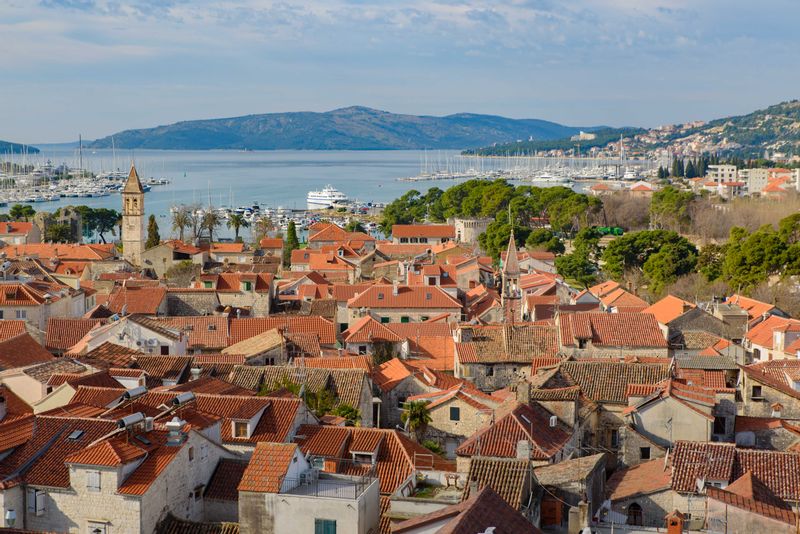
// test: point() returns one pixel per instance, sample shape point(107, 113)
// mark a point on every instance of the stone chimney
point(523, 449)
point(195, 373)
point(524, 392)
point(176, 435)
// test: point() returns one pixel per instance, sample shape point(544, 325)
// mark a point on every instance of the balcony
point(328, 486)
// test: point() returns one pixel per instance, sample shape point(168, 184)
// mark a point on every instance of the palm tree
point(236, 221)
point(180, 221)
point(416, 417)
point(211, 220)
point(262, 227)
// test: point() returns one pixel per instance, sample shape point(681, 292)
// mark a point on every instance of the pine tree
point(153, 238)
point(690, 170)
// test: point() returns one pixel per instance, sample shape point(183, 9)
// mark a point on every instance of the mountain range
point(7, 147)
point(352, 128)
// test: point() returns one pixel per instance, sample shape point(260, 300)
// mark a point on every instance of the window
point(644, 453)
point(165, 350)
point(208, 284)
point(191, 453)
point(635, 514)
point(431, 281)
point(719, 425)
point(240, 429)
point(362, 349)
point(1, 314)
point(324, 526)
point(401, 401)
point(614, 439)
point(384, 320)
point(581, 343)
point(22, 314)
point(755, 393)
point(404, 319)
point(36, 501)
point(93, 480)
point(423, 318)
point(380, 296)
point(489, 371)
point(455, 413)
point(97, 528)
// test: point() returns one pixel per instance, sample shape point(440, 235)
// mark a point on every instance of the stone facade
point(635, 448)
point(724, 518)
point(404, 315)
point(133, 219)
point(448, 432)
point(468, 230)
point(491, 376)
point(758, 402)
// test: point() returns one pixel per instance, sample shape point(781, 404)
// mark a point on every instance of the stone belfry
point(511, 296)
point(133, 219)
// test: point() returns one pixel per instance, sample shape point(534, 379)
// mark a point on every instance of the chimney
point(195, 373)
point(176, 435)
point(523, 449)
point(3, 408)
point(777, 408)
point(524, 392)
point(395, 288)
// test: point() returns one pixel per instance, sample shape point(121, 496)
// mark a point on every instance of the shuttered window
point(93, 480)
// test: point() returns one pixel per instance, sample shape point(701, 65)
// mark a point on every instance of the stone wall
point(631, 443)
point(722, 517)
point(491, 377)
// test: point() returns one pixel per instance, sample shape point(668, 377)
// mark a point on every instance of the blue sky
point(99, 66)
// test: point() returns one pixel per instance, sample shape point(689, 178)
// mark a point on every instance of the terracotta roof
point(15, 432)
point(209, 384)
point(97, 396)
point(159, 456)
point(397, 455)
point(778, 471)
point(608, 381)
point(108, 453)
point(519, 343)
point(242, 329)
point(483, 512)
point(21, 351)
point(173, 525)
point(424, 230)
point(258, 344)
point(15, 406)
point(336, 362)
point(566, 471)
point(268, 242)
point(506, 476)
point(647, 477)
point(11, 328)
point(417, 297)
point(669, 308)
point(217, 364)
point(47, 251)
point(268, 467)
point(634, 330)
point(774, 374)
point(110, 355)
point(368, 330)
point(204, 332)
point(135, 299)
point(762, 333)
point(225, 480)
point(164, 367)
point(63, 333)
point(500, 438)
point(754, 308)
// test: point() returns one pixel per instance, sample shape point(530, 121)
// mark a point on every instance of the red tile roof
point(22, 350)
point(268, 467)
point(632, 330)
point(643, 479)
point(108, 453)
point(669, 308)
point(424, 230)
point(11, 328)
point(159, 456)
point(754, 308)
point(336, 362)
point(225, 480)
point(417, 297)
point(47, 251)
point(518, 343)
point(500, 438)
point(205, 333)
point(63, 332)
point(774, 374)
point(368, 330)
point(135, 299)
point(242, 329)
point(397, 456)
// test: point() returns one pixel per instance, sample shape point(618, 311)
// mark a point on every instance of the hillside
point(7, 147)
point(776, 128)
point(603, 137)
point(353, 128)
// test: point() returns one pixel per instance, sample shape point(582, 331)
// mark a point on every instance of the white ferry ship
point(329, 196)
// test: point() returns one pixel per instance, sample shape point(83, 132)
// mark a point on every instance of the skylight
point(75, 435)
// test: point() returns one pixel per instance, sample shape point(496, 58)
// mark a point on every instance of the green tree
point(543, 239)
point(710, 261)
point(352, 415)
point(180, 220)
point(751, 259)
point(354, 225)
point(182, 273)
point(210, 222)
point(153, 237)
point(416, 417)
point(237, 221)
point(292, 243)
point(577, 266)
point(432, 446)
point(670, 208)
point(104, 220)
point(59, 233)
point(660, 255)
point(21, 212)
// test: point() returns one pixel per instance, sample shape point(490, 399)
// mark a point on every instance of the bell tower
point(511, 296)
point(133, 219)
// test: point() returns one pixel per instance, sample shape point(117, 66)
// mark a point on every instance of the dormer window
point(247, 286)
point(212, 327)
point(582, 343)
point(208, 284)
point(428, 296)
point(241, 429)
point(380, 296)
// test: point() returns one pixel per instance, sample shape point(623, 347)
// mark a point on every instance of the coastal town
point(490, 358)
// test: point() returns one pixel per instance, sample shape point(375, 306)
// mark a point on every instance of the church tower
point(510, 298)
point(133, 219)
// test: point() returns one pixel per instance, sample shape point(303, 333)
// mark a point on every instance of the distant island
point(7, 147)
point(352, 128)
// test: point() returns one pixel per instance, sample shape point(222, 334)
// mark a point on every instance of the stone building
point(133, 236)
point(468, 230)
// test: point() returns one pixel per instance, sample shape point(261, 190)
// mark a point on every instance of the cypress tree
point(153, 238)
point(292, 243)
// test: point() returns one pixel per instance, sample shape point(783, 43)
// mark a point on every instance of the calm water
point(231, 178)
